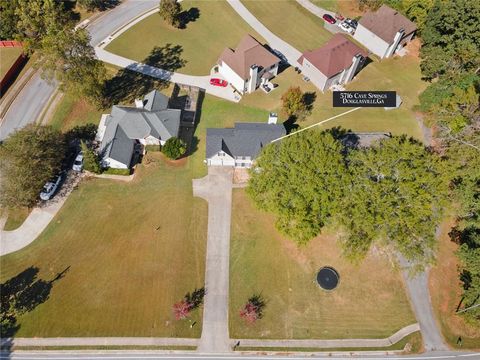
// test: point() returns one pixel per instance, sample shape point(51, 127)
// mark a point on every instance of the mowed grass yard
point(131, 251)
point(370, 301)
point(203, 40)
point(398, 74)
point(291, 22)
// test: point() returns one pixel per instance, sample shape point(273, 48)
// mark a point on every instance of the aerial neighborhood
point(240, 178)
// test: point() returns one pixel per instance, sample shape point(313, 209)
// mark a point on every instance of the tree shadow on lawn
point(188, 16)
point(130, 83)
point(19, 295)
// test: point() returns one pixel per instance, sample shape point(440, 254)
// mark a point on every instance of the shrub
point(174, 148)
point(91, 162)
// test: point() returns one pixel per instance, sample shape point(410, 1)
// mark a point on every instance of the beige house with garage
point(249, 66)
point(384, 31)
point(335, 63)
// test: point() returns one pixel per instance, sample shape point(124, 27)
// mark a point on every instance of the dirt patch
point(349, 8)
point(413, 48)
point(79, 110)
point(445, 289)
point(240, 176)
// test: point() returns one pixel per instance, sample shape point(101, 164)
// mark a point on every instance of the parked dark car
point(329, 18)
point(351, 22)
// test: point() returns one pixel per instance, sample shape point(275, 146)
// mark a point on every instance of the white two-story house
point(248, 66)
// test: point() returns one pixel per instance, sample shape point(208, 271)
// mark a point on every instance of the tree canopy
point(394, 200)
point(170, 11)
point(301, 180)
point(389, 194)
point(451, 38)
point(29, 158)
point(47, 28)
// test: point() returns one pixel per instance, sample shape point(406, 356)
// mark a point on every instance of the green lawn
point(131, 250)
point(291, 22)
point(7, 57)
point(370, 301)
point(399, 74)
point(203, 40)
point(71, 112)
point(15, 218)
point(331, 5)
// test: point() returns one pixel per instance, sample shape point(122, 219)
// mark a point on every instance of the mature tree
point(68, 56)
point(451, 38)
point(92, 5)
point(174, 148)
point(29, 158)
point(452, 103)
point(37, 18)
point(469, 255)
point(8, 19)
point(417, 11)
point(395, 200)
point(91, 161)
point(170, 11)
point(294, 103)
point(302, 181)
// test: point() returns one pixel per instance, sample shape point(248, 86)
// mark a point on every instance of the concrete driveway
point(216, 188)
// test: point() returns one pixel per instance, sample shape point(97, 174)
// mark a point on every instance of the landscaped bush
point(112, 171)
point(174, 148)
point(153, 148)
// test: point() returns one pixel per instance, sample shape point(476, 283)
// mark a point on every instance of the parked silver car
point(51, 187)
point(78, 162)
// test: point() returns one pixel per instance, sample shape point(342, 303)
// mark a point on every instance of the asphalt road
point(32, 99)
point(139, 355)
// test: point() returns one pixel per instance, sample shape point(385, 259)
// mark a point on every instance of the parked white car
point(346, 27)
point(78, 162)
point(50, 187)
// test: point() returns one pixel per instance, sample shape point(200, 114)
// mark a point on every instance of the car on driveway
point(51, 187)
point(345, 27)
point(218, 82)
point(329, 18)
point(78, 162)
point(352, 23)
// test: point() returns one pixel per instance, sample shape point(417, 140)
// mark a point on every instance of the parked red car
point(329, 18)
point(218, 82)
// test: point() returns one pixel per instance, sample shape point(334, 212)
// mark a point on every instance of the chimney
point(252, 81)
point(272, 118)
point(139, 103)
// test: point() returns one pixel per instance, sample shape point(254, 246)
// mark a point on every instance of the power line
point(316, 124)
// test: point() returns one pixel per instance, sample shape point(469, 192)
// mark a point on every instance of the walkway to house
point(274, 41)
point(216, 188)
point(37, 221)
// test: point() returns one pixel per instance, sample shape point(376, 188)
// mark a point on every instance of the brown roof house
point(248, 66)
point(335, 63)
point(384, 31)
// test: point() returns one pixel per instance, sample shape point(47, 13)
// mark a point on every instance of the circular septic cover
point(328, 278)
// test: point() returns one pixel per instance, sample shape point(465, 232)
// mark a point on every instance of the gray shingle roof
point(245, 139)
point(132, 123)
